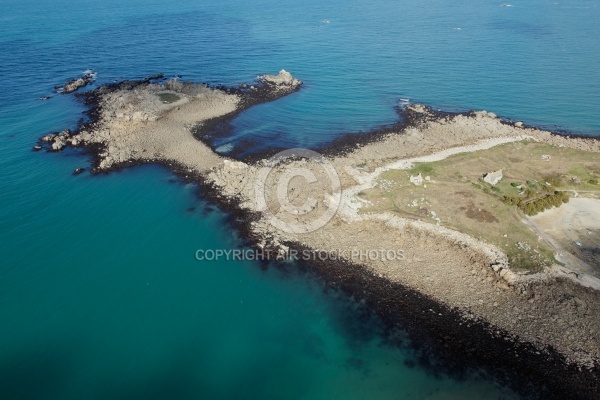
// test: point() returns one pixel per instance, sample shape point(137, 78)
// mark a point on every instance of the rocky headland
point(456, 295)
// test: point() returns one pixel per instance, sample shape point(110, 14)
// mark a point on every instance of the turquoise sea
point(100, 294)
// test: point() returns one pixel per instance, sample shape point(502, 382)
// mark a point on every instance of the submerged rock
point(78, 171)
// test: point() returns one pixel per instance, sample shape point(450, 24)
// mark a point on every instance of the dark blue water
point(100, 295)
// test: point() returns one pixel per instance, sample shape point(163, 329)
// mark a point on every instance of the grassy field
point(454, 194)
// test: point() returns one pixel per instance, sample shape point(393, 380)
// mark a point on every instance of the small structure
point(493, 177)
point(417, 179)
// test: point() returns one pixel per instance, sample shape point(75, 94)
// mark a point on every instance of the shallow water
point(100, 295)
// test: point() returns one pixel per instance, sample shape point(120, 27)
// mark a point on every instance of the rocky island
point(473, 278)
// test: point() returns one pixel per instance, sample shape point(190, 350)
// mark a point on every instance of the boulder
point(416, 179)
point(284, 78)
point(84, 136)
point(59, 143)
point(73, 85)
point(49, 138)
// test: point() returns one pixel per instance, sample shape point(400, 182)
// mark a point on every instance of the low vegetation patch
point(554, 180)
point(167, 98)
point(423, 169)
point(525, 257)
point(534, 206)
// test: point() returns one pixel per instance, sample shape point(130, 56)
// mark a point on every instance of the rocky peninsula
point(466, 296)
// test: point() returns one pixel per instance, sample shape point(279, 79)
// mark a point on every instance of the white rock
point(283, 78)
point(416, 179)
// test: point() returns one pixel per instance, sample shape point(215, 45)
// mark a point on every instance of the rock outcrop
point(80, 82)
point(284, 80)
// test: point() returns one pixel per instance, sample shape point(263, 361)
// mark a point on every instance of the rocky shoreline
point(445, 319)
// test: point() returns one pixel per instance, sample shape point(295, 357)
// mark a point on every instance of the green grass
point(532, 260)
point(508, 189)
point(464, 202)
point(555, 179)
point(423, 169)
